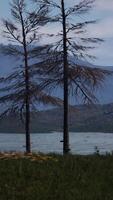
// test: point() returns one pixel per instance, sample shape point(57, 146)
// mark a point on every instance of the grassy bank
point(56, 177)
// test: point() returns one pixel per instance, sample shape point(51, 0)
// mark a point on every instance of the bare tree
point(71, 46)
point(21, 89)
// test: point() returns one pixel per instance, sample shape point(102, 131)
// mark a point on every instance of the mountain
point(104, 94)
point(93, 118)
point(98, 118)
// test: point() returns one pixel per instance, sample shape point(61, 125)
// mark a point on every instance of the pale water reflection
point(80, 143)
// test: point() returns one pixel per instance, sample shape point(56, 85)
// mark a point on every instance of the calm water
point(80, 143)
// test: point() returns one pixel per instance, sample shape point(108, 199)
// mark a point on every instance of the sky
point(102, 11)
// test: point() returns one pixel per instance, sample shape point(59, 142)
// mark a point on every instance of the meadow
point(56, 177)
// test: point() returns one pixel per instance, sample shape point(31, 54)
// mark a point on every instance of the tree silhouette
point(20, 90)
point(69, 48)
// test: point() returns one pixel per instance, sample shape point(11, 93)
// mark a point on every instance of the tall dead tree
point(21, 88)
point(65, 61)
point(72, 46)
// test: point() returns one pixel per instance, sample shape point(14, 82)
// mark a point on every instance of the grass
point(54, 177)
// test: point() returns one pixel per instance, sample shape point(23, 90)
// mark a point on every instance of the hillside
point(81, 118)
point(103, 94)
point(98, 118)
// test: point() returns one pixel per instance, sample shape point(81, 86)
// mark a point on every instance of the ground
point(56, 177)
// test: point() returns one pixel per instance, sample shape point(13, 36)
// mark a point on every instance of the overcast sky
point(103, 11)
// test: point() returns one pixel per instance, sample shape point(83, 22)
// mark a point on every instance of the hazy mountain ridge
point(93, 118)
point(103, 94)
point(82, 118)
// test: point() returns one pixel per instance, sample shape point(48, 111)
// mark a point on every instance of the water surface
point(80, 143)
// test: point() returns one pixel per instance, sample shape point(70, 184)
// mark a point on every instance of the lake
point(80, 143)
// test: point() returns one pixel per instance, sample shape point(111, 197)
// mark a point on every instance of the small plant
point(97, 152)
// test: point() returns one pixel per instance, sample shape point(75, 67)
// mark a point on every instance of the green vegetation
point(56, 178)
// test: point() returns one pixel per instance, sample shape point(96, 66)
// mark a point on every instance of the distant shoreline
point(52, 132)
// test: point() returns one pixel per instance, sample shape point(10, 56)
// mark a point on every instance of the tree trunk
point(65, 122)
point(27, 114)
point(27, 95)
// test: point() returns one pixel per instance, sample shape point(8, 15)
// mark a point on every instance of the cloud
point(103, 29)
point(2, 38)
point(1, 34)
point(103, 53)
point(104, 5)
